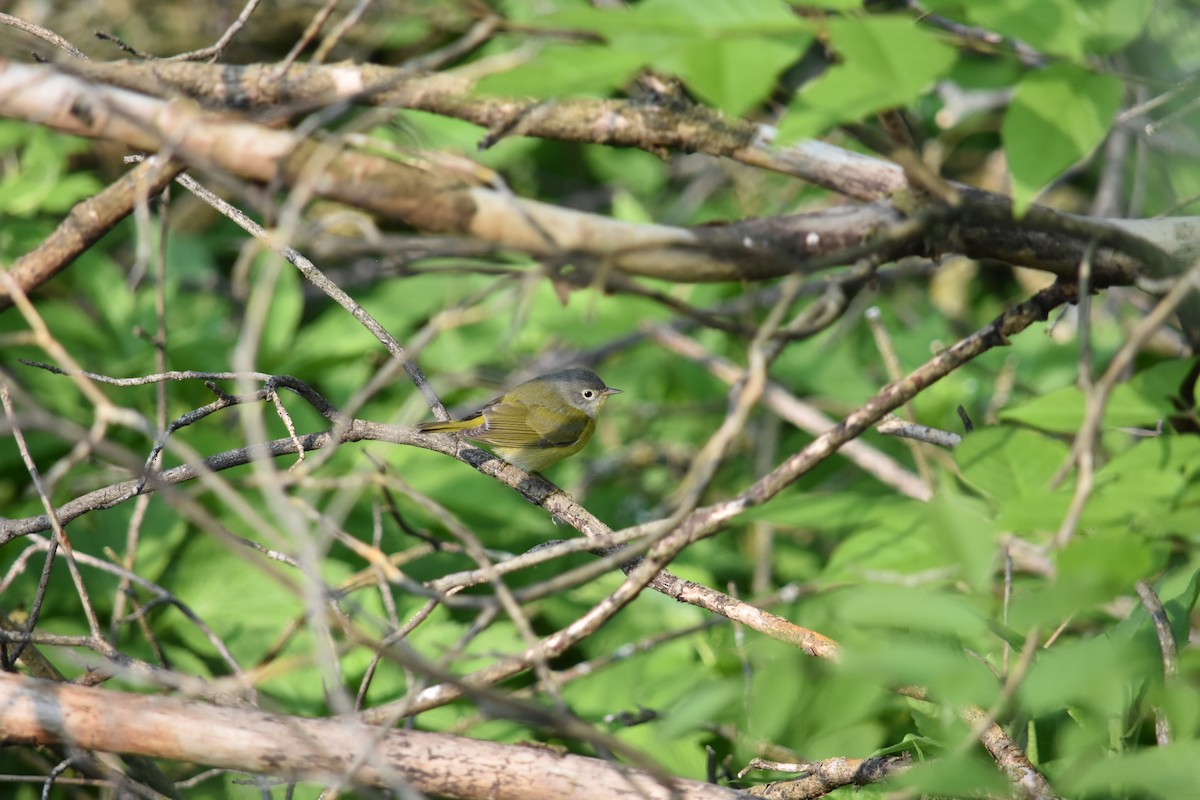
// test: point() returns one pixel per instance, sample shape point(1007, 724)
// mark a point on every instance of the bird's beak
point(609, 390)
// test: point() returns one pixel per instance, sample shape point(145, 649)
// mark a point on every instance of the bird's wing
point(521, 425)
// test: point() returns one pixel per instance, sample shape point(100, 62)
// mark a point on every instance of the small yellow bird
point(538, 423)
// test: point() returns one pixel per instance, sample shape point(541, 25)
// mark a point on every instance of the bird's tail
point(447, 426)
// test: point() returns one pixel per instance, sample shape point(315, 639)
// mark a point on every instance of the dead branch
point(296, 749)
point(437, 200)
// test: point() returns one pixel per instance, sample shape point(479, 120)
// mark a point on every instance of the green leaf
point(1111, 25)
point(1013, 467)
point(773, 696)
point(956, 776)
point(959, 527)
point(886, 61)
point(1057, 118)
point(1092, 570)
point(1058, 27)
point(836, 712)
point(1167, 771)
point(1140, 402)
point(837, 511)
point(901, 658)
point(201, 576)
point(733, 75)
point(733, 17)
point(1134, 489)
point(728, 52)
point(105, 283)
point(1059, 411)
point(736, 51)
point(1009, 464)
point(833, 5)
point(877, 532)
point(69, 190)
point(24, 189)
point(1093, 674)
point(697, 709)
point(685, 19)
point(953, 533)
point(1177, 592)
point(973, 71)
point(283, 315)
point(912, 609)
point(565, 70)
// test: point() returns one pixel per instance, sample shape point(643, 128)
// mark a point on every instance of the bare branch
point(294, 748)
point(1168, 651)
point(751, 250)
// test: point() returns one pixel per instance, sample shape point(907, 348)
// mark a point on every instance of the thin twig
point(314, 26)
point(891, 361)
point(1167, 649)
point(803, 415)
point(214, 50)
point(43, 33)
point(317, 278)
point(1083, 449)
point(60, 533)
point(339, 30)
point(895, 426)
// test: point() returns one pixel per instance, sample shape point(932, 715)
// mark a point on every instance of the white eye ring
point(588, 394)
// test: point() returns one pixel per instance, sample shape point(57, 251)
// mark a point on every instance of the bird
point(537, 423)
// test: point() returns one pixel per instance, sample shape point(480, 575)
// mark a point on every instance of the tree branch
point(982, 225)
point(298, 749)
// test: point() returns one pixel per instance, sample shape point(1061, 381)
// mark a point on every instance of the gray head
point(580, 387)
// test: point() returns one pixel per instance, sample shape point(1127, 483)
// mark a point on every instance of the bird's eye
point(588, 394)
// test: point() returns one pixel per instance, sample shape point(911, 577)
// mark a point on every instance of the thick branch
point(87, 222)
point(620, 123)
point(416, 195)
point(294, 748)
